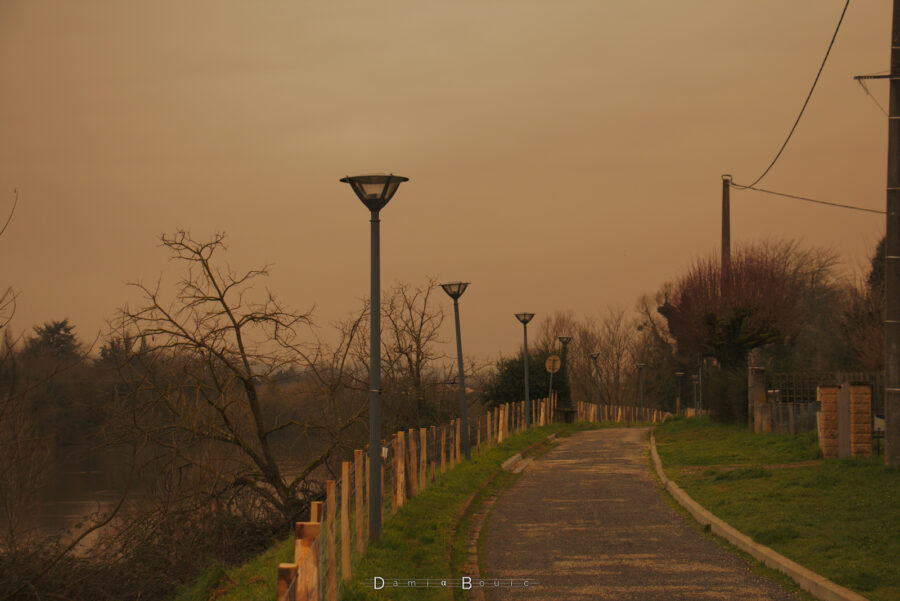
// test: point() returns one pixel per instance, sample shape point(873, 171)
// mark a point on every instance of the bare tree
point(413, 319)
point(616, 339)
point(208, 352)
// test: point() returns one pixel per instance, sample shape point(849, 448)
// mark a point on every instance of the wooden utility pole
point(726, 229)
point(892, 260)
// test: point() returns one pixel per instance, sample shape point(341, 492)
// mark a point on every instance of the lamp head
point(524, 317)
point(455, 289)
point(374, 190)
point(595, 355)
point(565, 340)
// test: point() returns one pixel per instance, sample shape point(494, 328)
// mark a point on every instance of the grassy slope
point(414, 541)
point(839, 518)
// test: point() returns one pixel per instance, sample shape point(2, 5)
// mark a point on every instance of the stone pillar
point(828, 425)
point(860, 419)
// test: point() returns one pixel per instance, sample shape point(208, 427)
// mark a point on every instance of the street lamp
point(525, 318)
point(641, 367)
point(595, 356)
point(375, 191)
point(455, 290)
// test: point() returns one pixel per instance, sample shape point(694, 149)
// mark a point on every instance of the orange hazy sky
point(561, 155)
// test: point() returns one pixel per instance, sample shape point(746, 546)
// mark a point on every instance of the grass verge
point(415, 542)
point(839, 518)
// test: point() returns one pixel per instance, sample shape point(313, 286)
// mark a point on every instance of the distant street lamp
point(375, 191)
point(595, 356)
point(455, 290)
point(641, 367)
point(525, 318)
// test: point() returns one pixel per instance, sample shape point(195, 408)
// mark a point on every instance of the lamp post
point(595, 356)
point(678, 375)
point(525, 318)
point(455, 290)
point(375, 191)
point(641, 367)
point(564, 341)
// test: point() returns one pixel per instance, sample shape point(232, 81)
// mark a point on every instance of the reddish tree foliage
point(759, 301)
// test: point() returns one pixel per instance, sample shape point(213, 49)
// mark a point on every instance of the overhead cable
point(805, 103)
point(807, 199)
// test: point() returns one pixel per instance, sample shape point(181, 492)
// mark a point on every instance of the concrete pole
point(726, 230)
point(892, 260)
point(375, 384)
point(525, 358)
point(462, 383)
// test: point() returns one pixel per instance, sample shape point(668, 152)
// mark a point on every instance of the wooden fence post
point(330, 559)
point(383, 492)
point(412, 484)
point(366, 500)
point(315, 511)
point(452, 444)
point(478, 436)
point(443, 448)
point(434, 442)
point(395, 474)
point(346, 544)
point(358, 497)
point(423, 458)
point(307, 560)
point(458, 438)
point(287, 574)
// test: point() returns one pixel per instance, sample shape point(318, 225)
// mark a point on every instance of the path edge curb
point(817, 585)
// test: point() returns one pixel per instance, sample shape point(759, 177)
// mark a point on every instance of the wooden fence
point(324, 546)
point(593, 412)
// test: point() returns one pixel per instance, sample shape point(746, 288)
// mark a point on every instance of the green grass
point(252, 581)
point(701, 441)
point(414, 543)
point(839, 518)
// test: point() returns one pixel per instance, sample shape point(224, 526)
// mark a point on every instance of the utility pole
point(726, 229)
point(892, 260)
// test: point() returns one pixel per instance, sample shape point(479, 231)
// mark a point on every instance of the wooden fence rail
point(415, 458)
point(592, 412)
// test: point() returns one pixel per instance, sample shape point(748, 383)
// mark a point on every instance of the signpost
point(552, 364)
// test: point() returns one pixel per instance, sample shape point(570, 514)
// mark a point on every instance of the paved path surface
point(587, 521)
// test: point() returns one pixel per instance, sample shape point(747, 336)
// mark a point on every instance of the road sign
point(553, 363)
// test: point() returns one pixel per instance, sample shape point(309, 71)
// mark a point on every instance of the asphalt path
point(587, 521)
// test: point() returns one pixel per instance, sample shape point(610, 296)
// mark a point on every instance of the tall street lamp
point(375, 191)
point(595, 356)
point(525, 318)
point(455, 290)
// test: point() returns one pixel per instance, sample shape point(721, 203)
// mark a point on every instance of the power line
point(805, 103)
point(807, 199)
